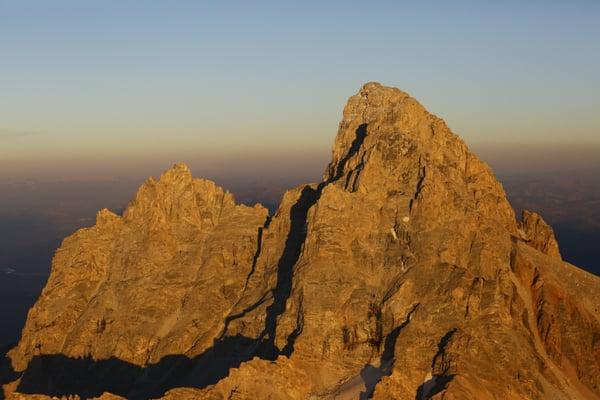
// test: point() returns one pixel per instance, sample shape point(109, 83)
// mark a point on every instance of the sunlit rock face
point(403, 274)
point(156, 281)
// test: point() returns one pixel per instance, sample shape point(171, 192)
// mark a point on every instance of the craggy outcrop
point(403, 274)
point(539, 234)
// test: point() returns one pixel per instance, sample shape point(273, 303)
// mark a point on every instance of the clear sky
point(117, 87)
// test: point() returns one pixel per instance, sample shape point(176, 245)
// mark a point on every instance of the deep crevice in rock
point(419, 186)
point(241, 314)
point(291, 340)
point(361, 134)
point(372, 375)
point(259, 241)
point(260, 301)
point(289, 257)
point(437, 382)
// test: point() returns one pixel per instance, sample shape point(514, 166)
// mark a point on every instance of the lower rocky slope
point(404, 274)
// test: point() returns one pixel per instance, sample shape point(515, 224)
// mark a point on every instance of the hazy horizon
point(301, 164)
point(119, 89)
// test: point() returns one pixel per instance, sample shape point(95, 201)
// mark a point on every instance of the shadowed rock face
point(403, 274)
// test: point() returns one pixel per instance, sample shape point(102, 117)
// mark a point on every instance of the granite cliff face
point(404, 274)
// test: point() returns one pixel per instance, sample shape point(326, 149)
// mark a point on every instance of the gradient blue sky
point(128, 87)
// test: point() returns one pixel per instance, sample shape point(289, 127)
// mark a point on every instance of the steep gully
point(58, 375)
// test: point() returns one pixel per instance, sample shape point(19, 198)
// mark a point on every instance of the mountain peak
point(376, 87)
point(179, 171)
point(390, 146)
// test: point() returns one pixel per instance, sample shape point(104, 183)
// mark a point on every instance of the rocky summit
point(403, 274)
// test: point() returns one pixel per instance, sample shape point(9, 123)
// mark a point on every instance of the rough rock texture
point(403, 274)
point(539, 234)
point(151, 284)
